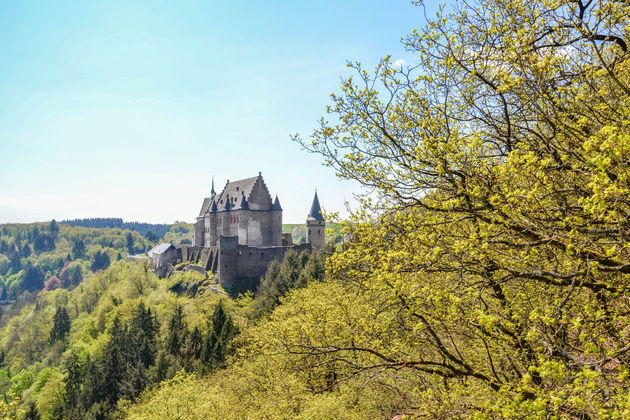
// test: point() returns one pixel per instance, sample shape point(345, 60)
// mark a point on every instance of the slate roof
point(234, 189)
point(160, 249)
point(205, 206)
point(276, 204)
point(316, 210)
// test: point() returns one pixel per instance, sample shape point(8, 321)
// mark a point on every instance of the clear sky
point(127, 108)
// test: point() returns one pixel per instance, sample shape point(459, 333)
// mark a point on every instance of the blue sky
point(127, 108)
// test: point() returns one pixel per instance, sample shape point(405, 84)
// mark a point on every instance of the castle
point(238, 233)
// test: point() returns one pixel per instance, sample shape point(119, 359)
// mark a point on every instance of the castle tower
point(276, 223)
point(316, 225)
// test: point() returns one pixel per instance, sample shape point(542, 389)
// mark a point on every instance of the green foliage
point(49, 247)
point(100, 261)
point(297, 231)
point(485, 275)
point(180, 233)
point(217, 345)
point(33, 279)
point(295, 270)
point(61, 325)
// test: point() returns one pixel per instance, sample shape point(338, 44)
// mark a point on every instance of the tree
point(64, 276)
point(78, 248)
point(497, 228)
point(144, 328)
point(123, 374)
point(77, 275)
point(74, 379)
point(33, 278)
point(52, 283)
point(129, 239)
point(151, 236)
point(15, 256)
point(221, 330)
point(53, 229)
point(100, 261)
point(61, 325)
point(295, 270)
point(43, 243)
point(26, 250)
point(177, 331)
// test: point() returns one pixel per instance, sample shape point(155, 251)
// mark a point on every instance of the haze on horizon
point(122, 109)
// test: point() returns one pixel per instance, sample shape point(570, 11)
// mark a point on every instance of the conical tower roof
point(276, 204)
point(316, 210)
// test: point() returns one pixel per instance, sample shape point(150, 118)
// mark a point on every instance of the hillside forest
point(485, 272)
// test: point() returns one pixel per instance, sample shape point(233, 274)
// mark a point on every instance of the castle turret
point(276, 223)
point(316, 225)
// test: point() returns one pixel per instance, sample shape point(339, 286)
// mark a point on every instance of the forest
point(484, 273)
point(84, 328)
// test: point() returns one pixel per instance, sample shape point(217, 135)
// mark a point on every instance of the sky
point(129, 108)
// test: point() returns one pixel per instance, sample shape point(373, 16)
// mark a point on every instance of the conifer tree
point(33, 278)
point(77, 275)
point(176, 332)
point(61, 325)
point(53, 229)
point(143, 330)
point(78, 248)
point(221, 330)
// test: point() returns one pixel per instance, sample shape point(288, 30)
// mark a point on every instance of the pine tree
point(143, 330)
point(61, 325)
point(78, 248)
point(129, 239)
point(26, 250)
point(73, 381)
point(112, 363)
point(177, 331)
point(221, 330)
point(77, 275)
point(33, 278)
point(53, 228)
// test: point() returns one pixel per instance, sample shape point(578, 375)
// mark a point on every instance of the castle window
point(261, 254)
point(236, 188)
point(318, 232)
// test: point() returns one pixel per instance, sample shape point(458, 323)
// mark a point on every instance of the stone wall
point(316, 233)
point(239, 262)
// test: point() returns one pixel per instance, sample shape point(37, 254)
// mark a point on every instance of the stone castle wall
point(232, 262)
point(253, 227)
point(238, 262)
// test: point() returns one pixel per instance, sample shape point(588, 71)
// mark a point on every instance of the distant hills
point(145, 229)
